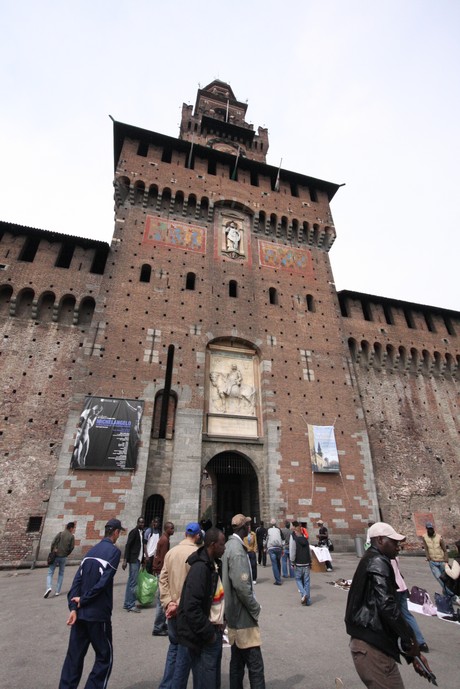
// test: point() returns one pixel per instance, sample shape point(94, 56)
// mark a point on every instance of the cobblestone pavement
point(303, 647)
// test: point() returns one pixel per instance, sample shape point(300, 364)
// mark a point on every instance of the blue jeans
point(58, 562)
point(130, 593)
point(302, 579)
point(206, 665)
point(159, 624)
point(285, 563)
point(252, 657)
point(437, 568)
point(275, 557)
point(177, 666)
point(402, 598)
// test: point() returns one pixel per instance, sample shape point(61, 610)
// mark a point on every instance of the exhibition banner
point(323, 449)
point(108, 434)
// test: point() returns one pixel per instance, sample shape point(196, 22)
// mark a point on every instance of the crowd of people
point(207, 589)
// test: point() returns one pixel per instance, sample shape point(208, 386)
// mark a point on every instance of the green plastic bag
point(147, 585)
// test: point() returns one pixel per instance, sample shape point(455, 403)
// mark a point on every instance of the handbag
point(51, 557)
point(444, 604)
point(429, 608)
point(417, 595)
point(330, 545)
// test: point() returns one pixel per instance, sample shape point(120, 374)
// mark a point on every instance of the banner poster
point(108, 434)
point(323, 449)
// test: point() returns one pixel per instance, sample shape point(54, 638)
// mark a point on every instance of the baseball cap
point(240, 520)
point(192, 529)
point(382, 529)
point(114, 524)
point(320, 521)
point(429, 525)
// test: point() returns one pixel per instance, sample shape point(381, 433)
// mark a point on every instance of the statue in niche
point(233, 240)
point(232, 393)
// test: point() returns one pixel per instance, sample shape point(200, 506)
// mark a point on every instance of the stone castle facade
point(214, 310)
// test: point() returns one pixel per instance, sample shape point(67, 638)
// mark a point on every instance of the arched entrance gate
point(234, 489)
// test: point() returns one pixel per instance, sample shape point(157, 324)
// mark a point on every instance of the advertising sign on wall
point(323, 449)
point(108, 434)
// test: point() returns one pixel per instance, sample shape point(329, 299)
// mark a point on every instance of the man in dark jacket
point(373, 618)
point(261, 535)
point(134, 556)
point(62, 545)
point(200, 618)
point(90, 603)
point(299, 554)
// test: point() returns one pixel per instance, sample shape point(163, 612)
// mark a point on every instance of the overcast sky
point(359, 92)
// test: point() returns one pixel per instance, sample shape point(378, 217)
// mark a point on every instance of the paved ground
point(303, 648)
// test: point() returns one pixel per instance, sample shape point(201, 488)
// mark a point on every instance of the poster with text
point(323, 449)
point(108, 434)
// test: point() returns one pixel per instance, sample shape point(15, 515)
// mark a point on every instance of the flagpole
point(277, 182)
point(236, 164)
point(190, 154)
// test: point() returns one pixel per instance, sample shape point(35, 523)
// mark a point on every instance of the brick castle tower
point(214, 319)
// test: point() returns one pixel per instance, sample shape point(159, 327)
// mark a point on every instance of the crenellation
point(217, 260)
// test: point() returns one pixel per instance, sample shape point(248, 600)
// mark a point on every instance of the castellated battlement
point(212, 321)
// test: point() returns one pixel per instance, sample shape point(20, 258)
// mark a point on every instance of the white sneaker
point(47, 593)
point(254, 583)
point(58, 593)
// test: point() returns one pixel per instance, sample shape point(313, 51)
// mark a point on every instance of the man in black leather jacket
point(373, 619)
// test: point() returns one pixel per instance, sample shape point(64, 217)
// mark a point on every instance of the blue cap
point(429, 525)
point(192, 529)
point(115, 524)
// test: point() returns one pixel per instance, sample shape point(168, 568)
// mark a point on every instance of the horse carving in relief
point(239, 393)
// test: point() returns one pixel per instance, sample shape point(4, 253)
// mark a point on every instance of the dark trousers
point(206, 664)
point(252, 658)
point(253, 562)
point(262, 559)
point(82, 634)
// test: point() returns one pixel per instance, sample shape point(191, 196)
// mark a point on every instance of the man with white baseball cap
point(378, 630)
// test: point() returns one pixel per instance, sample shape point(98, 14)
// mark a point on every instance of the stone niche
point(232, 392)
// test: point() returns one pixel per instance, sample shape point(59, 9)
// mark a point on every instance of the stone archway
point(235, 489)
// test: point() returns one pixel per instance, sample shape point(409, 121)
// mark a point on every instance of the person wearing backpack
point(151, 538)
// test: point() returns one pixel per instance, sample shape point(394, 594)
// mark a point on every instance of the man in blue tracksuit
point(90, 604)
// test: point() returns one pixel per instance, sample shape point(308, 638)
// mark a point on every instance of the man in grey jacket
point(241, 610)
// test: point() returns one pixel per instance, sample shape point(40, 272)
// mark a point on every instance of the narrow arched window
point(273, 295)
point(233, 288)
point(86, 311)
point(190, 281)
point(146, 272)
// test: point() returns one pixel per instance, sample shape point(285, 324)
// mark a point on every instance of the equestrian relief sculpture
point(233, 395)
